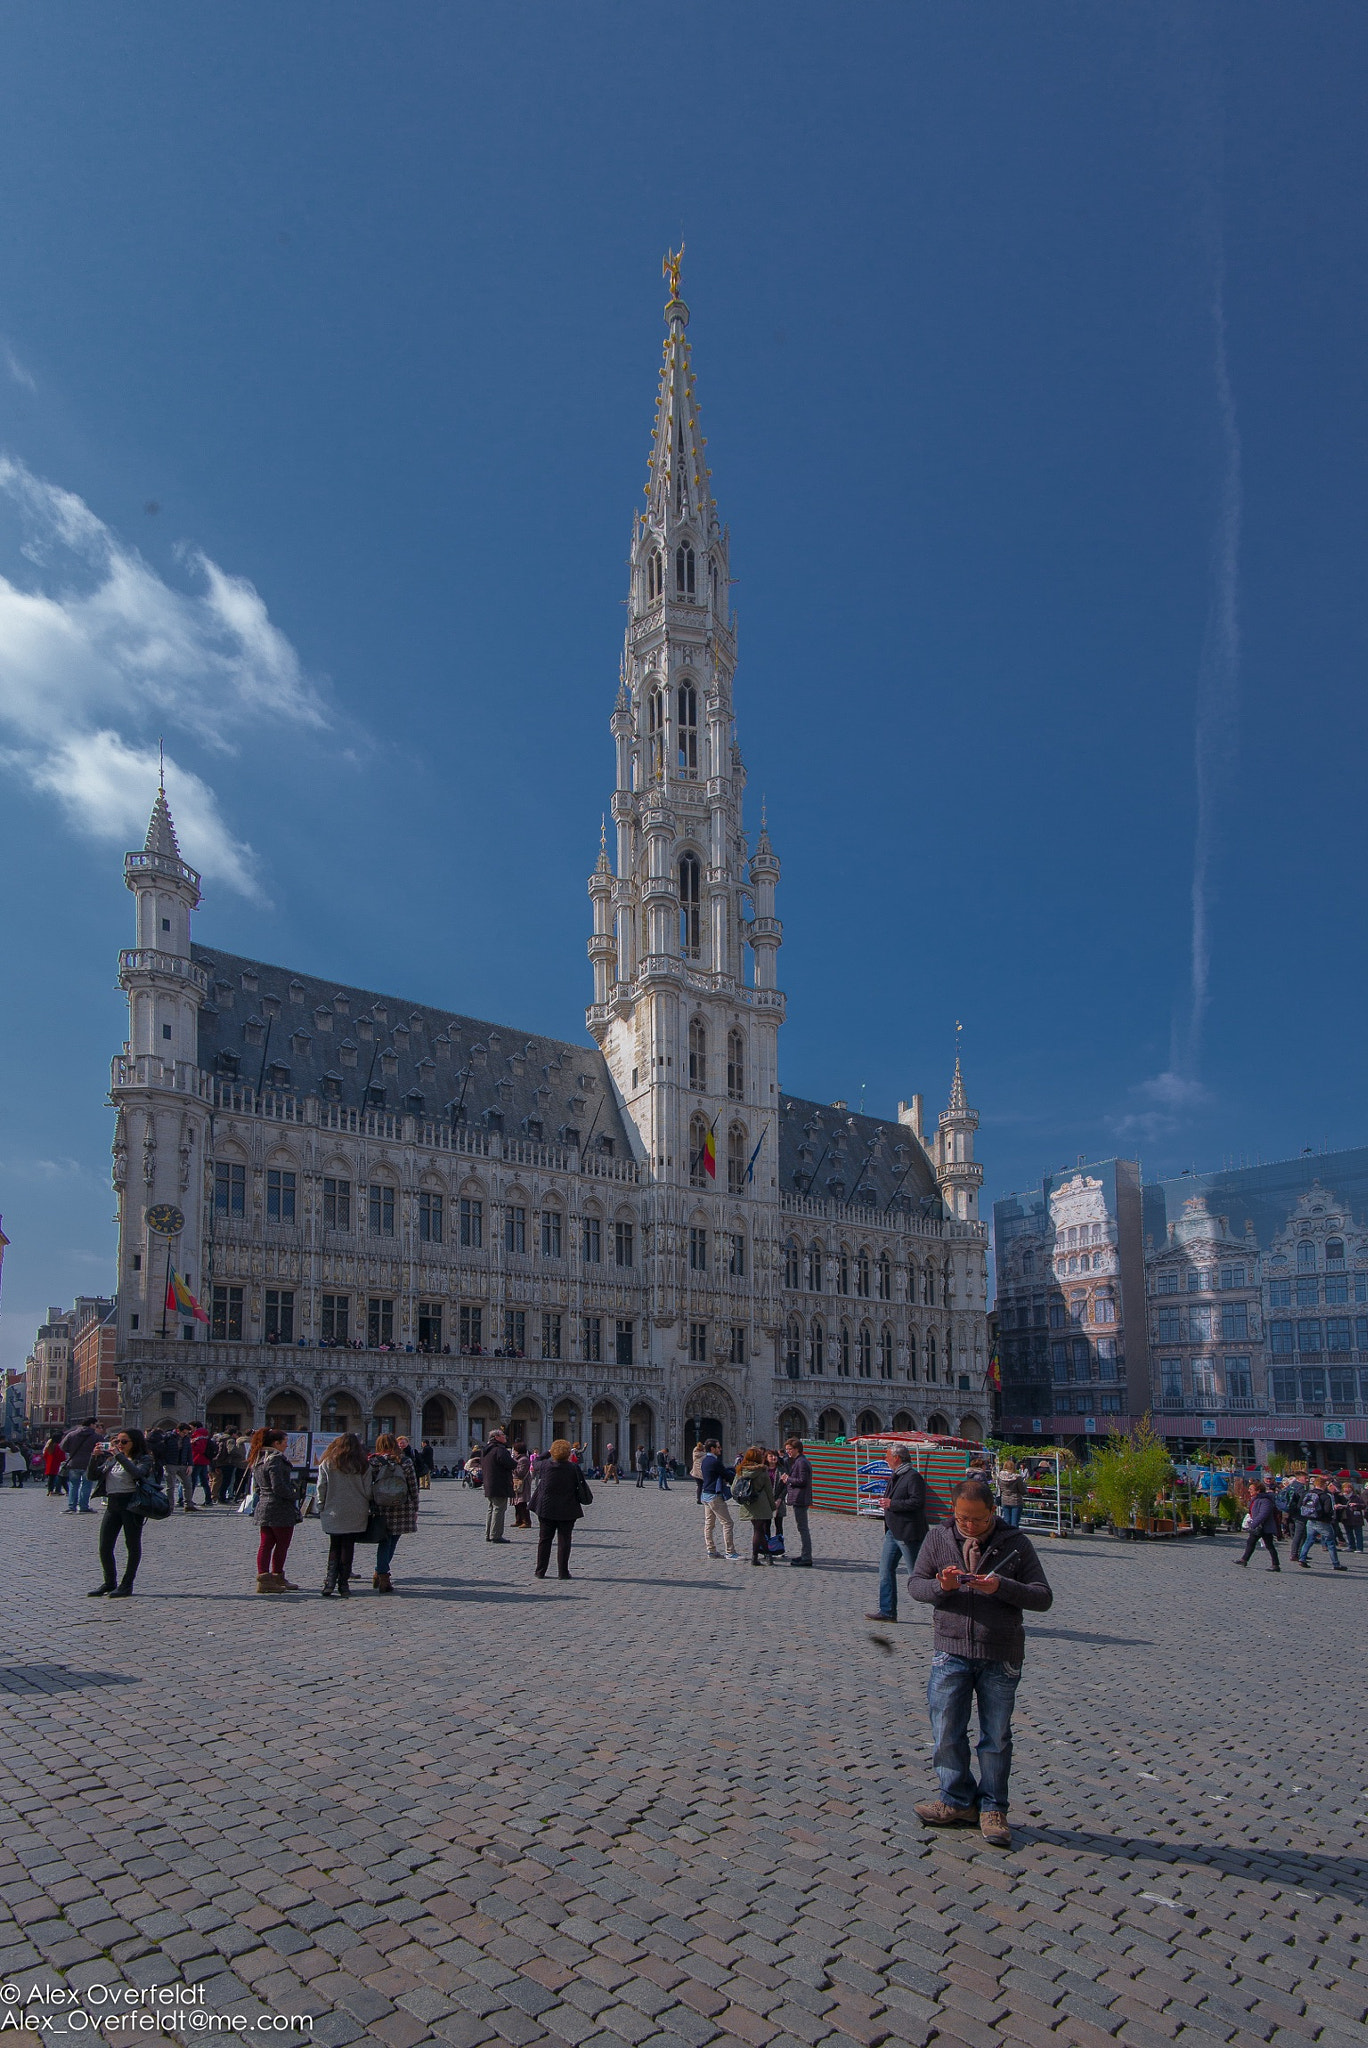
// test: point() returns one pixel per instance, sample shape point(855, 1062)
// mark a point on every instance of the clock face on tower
point(166, 1219)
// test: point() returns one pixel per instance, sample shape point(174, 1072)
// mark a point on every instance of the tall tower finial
point(161, 766)
point(669, 269)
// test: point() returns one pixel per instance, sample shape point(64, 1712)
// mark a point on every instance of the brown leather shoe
point(994, 1829)
point(936, 1814)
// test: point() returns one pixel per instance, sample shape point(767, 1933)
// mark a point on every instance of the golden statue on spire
point(669, 268)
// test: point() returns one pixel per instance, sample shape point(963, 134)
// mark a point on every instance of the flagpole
point(167, 1288)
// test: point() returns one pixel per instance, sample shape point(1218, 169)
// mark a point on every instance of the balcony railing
point(881, 1219)
point(1211, 1404)
point(147, 960)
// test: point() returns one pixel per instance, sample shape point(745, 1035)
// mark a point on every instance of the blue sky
point(1030, 347)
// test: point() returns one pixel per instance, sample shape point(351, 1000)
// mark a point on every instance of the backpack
point(744, 1489)
point(390, 1489)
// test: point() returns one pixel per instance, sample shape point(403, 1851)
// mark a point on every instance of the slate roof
point(332, 1040)
point(864, 1160)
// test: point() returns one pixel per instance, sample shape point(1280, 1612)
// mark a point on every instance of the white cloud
point(99, 655)
point(16, 369)
point(1163, 1104)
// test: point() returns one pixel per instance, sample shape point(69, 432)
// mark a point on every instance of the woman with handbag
point(394, 1492)
point(753, 1499)
point(344, 1497)
point(122, 1470)
point(276, 1509)
point(562, 1494)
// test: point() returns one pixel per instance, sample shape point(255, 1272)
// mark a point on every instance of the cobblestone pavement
point(670, 1801)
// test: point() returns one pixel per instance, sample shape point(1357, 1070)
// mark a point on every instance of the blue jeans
point(663, 1478)
point(1011, 1516)
point(1319, 1532)
point(78, 1489)
point(894, 1547)
point(384, 1552)
point(953, 1686)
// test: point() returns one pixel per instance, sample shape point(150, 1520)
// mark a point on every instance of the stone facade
point(398, 1214)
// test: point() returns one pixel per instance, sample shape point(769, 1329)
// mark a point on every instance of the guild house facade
point(397, 1215)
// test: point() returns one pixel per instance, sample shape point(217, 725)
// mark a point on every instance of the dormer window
point(687, 704)
point(278, 1074)
point(655, 577)
point(684, 570)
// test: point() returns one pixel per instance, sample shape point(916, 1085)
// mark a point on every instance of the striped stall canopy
point(850, 1477)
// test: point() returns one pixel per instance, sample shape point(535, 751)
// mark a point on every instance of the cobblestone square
point(671, 1801)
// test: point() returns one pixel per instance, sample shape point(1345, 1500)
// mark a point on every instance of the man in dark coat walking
point(798, 1495)
point(979, 1575)
point(904, 1505)
point(496, 1476)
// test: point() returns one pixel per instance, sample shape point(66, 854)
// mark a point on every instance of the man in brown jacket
point(979, 1575)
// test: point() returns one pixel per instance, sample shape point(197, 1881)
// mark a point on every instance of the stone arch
point(567, 1418)
point(641, 1428)
point(392, 1411)
point(287, 1407)
point(605, 1428)
point(867, 1423)
point(970, 1427)
point(341, 1409)
point(831, 1423)
point(439, 1419)
point(937, 1425)
point(902, 1420)
point(482, 1417)
point(525, 1422)
point(792, 1422)
point(708, 1410)
point(185, 1407)
point(230, 1407)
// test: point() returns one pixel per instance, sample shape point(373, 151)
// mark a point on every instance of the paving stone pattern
point(670, 1801)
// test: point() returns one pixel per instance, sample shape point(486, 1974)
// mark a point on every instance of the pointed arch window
point(793, 1264)
point(885, 1353)
point(815, 1268)
point(690, 891)
point(818, 1348)
point(736, 1065)
point(685, 570)
point(698, 1138)
point(655, 577)
point(862, 1273)
point(737, 1155)
point(843, 1357)
point(687, 706)
point(843, 1271)
point(793, 1348)
point(698, 1054)
point(912, 1354)
point(931, 1354)
point(885, 1277)
point(656, 718)
point(865, 1353)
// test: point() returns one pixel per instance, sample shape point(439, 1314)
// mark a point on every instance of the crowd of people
point(1308, 1510)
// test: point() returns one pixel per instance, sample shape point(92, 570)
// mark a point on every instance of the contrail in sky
point(1217, 688)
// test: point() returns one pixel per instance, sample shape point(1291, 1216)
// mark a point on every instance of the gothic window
point(655, 577)
point(793, 1349)
point(591, 1240)
point(866, 1353)
point(929, 1284)
point(818, 1349)
point(380, 1208)
point(230, 1188)
point(843, 1359)
point(911, 1354)
point(815, 1268)
point(684, 570)
point(698, 1248)
point(429, 1217)
point(656, 717)
point(843, 1271)
point(552, 1236)
point(931, 1354)
point(472, 1222)
point(886, 1353)
point(690, 938)
point(737, 1155)
point(793, 1274)
point(687, 705)
point(885, 1277)
point(336, 1203)
point(698, 1140)
point(698, 1054)
point(624, 1244)
point(736, 1065)
point(862, 1274)
point(736, 1264)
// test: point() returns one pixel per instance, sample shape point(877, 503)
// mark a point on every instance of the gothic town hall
point(401, 1217)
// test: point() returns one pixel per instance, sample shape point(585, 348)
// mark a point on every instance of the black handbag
point(149, 1501)
point(582, 1493)
point(376, 1529)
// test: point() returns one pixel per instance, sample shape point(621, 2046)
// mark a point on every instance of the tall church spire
point(161, 831)
point(685, 939)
